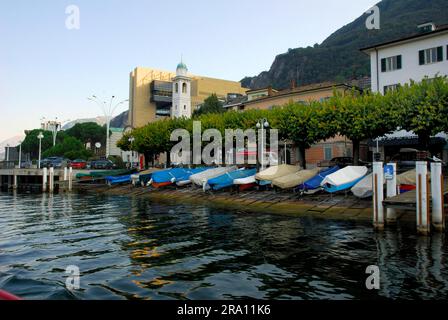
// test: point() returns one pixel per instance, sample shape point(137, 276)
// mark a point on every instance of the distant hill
point(120, 121)
point(338, 58)
point(98, 120)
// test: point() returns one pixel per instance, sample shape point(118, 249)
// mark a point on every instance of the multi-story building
point(152, 93)
point(397, 62)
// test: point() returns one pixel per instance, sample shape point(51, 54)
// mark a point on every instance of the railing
point(7, 164)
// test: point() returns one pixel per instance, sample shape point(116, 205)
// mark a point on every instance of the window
point(391, 87)
point(185, 107)
point(184, 87)
point(429, 56)
point(328, 153)
point(177, 87)
point(391, 64)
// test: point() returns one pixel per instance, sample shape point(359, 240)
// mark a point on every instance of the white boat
point(243, 181)
point(344, 179)
point(201, 178)
point(407, 178)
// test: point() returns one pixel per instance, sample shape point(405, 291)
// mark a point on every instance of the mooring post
point(391, 191)
point(437, 196)
point(44, 179)
point(51, 187)
point(65, 174)
point(70, 179)
point(15, 184)
point(378, 195)
point(423, 214)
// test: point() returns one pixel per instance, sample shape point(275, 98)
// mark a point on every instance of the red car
point(78, 164)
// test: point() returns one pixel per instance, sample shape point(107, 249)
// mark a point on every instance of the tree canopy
point(210, 105)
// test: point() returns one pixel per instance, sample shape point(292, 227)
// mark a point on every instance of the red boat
point(7, 296)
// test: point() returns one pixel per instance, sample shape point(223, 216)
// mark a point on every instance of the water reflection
point(129, 248)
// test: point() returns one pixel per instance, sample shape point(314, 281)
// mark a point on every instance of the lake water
point(128, 248)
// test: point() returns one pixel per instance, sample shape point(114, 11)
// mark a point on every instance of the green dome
point(182, 65)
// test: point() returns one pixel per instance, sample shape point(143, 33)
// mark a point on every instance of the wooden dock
point(408, 200)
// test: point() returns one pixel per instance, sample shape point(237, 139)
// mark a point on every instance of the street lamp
point(7, 153)
point(131, 141)
point(108, 111)
point(55, 125)
point(20, 154)
point(262, 124)
point(40, 137)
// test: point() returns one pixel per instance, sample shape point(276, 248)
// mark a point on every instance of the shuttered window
point(431, 55)
point(391, 63)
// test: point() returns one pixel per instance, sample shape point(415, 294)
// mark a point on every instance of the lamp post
point(262, 124)
point(108, 111)
point(131, 141)
point(55, 125)
point(40, 137)
point(20, 154)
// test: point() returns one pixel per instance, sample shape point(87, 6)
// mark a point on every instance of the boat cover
point(295, 179)
point(201, 178)
point(226, 180)
point(274, 172)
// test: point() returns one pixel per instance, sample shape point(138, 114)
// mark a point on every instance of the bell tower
point(181, 93)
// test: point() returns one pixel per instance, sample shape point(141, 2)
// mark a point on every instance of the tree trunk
point(424, 141)
point(356, 144)
point(302, 156)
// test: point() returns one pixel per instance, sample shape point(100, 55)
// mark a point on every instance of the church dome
point(181, 69)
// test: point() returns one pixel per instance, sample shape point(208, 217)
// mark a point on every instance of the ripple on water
point(128, 248)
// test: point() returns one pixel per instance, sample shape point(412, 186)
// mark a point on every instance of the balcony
point(163, 112)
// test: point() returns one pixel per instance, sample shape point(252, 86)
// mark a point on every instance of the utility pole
point(108, 111)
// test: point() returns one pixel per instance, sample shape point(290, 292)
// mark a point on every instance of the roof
point(440, 30)
point(261, 89)
point(235, 102)
point(304, 89)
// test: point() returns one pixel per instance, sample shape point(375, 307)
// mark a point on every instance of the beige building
point(267, 98)
point(151, 93)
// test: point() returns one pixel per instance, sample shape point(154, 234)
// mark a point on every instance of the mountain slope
point(338, 58)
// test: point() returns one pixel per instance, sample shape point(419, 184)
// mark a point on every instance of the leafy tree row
point(418, 107)
point(69, 143)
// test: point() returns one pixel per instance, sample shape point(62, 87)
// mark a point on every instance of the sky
point(48, 70)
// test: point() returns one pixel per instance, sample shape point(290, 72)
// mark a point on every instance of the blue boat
point(185, 179)
point(264, 182)
point(332, 188)
point(344, 179)
point(314, 182)
point(174, 174)
point(226, 180)
point(118, 180)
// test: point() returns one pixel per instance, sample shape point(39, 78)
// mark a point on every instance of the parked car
point(338, 161)
point(26, 164)
point(78, 164)
point(55, 162)
point(102, 164)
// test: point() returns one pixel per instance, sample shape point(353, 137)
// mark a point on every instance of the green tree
point(362, 116)
point(210, 105)
point(31, 143)
point(88, 132)
point(70, 148)
point(424, 108)
point(302, 124)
